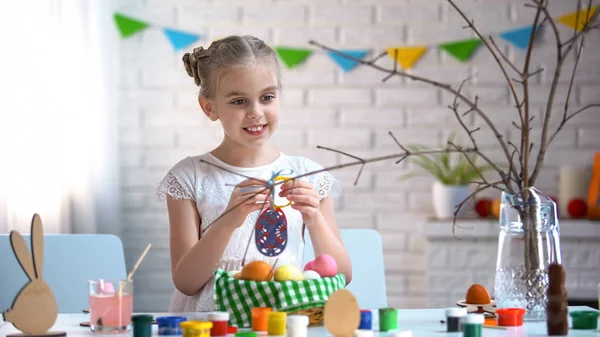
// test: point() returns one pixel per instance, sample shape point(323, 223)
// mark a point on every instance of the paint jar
point(453, 317)
point(297, 326)
point(586, 320)
point(510, 316)
point(388, 319)
point(366, 320)
point(169, 325)
point(260, 319)
point(219, 320)
point(276, 323)
point(195, 328)
point(472, 325)
point(142, 325)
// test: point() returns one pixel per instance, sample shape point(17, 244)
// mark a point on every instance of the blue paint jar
point(366, 318)
point(169, 325)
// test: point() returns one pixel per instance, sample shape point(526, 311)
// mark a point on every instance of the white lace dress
point(211, 188)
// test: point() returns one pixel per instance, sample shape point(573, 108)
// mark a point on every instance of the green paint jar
point(587, 320)
point(388, 319)
point(142, 325)
point(472, 325)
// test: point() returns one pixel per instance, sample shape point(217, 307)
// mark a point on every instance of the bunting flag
point(346, 63)
point(180, 39)
point(518, 37)
point(462, 49)
point(291, 57)
point(129, 26)
point(406, 56)
point(577, 20)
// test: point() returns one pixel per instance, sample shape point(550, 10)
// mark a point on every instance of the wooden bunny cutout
point(34, 310)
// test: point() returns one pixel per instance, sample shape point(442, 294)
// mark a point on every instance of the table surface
point(421, 322)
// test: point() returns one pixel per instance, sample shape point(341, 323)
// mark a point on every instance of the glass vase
point(528, 242)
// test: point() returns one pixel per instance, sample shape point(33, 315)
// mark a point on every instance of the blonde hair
point(205, 65)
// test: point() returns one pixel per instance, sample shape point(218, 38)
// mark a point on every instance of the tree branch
point(442, 86)
point(487, 45)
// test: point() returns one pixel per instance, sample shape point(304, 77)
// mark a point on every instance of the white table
point(421, 322)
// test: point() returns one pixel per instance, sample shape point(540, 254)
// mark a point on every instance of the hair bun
point(190, 62)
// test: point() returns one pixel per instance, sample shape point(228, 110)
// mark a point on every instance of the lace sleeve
point(179, 182)
point(324, 182)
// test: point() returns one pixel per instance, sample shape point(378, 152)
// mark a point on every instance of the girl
point(239, 80)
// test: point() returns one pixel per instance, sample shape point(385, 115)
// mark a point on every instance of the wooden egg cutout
point(34, 309)
point(341, 314)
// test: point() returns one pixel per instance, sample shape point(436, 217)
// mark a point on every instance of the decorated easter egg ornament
point(270, 231)
point(341, 315)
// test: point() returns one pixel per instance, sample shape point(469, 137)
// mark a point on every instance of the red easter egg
point(483, 207)
point(577, 208)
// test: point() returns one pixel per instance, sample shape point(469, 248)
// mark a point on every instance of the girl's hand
point(305, 200)
point(248, 196)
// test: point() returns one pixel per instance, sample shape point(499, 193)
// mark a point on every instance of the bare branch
point(478, 190)
point(487, 45)
point(349, 155)
point(525, 126)
point(443, 86)
point(548, 113)
point(509, 62)
point(566, 119)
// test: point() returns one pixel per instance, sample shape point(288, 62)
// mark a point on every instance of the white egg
point(311, 275)
point(232, 273)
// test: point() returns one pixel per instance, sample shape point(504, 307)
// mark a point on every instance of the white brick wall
point(160, 121)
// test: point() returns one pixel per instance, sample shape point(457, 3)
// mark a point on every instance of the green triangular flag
point(463, 49)
point(293, 56)
point(129, 26)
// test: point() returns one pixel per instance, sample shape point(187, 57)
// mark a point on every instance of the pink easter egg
point(325, 265)
point(309, 265)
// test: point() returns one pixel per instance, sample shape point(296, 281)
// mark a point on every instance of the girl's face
point(247, 104)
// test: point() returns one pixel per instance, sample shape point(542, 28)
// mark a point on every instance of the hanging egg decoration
point(270, 232)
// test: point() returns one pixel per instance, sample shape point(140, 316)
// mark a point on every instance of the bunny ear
point(22, 253)
point(37, 244)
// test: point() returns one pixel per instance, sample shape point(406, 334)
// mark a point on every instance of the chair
point(368, 274)
point(70, 260)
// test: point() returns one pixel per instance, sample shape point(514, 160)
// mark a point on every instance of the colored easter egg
point(325, 265)
point(483, 207)
point(495, 208)
point(577, 208)
point(270, 232)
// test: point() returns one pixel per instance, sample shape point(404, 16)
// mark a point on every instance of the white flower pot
point(447, 197)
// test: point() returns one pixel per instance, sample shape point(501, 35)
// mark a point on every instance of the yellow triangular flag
point(571, 18)
point(406, 56)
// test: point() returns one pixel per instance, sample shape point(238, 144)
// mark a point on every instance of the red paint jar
point(219, 320)
point(510, 316)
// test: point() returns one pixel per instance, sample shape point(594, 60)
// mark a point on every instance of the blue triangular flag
point(346, 63)
point(519, 37)
point(180, 39)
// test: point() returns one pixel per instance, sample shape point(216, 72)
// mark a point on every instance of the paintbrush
point(129, 276)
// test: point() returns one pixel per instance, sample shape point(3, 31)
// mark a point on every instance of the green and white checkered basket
point(238, 297)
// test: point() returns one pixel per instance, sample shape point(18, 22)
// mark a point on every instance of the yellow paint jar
point(195, 328)
point(276, 323)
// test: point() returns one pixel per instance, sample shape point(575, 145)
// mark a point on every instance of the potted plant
point(454, 173)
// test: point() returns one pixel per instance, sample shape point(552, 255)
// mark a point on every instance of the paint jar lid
point(232, 329)
point(456, 312)
point(584, 319)
point(363, 333)
point(510, 316)
point(218, 316)
point(297, 320)
point(277, 316)
point(142, 318)
point(400, 333)
point(246, 334)
point(170, 321)
point(473, 319)
point(195, 325)
point(366, 313)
